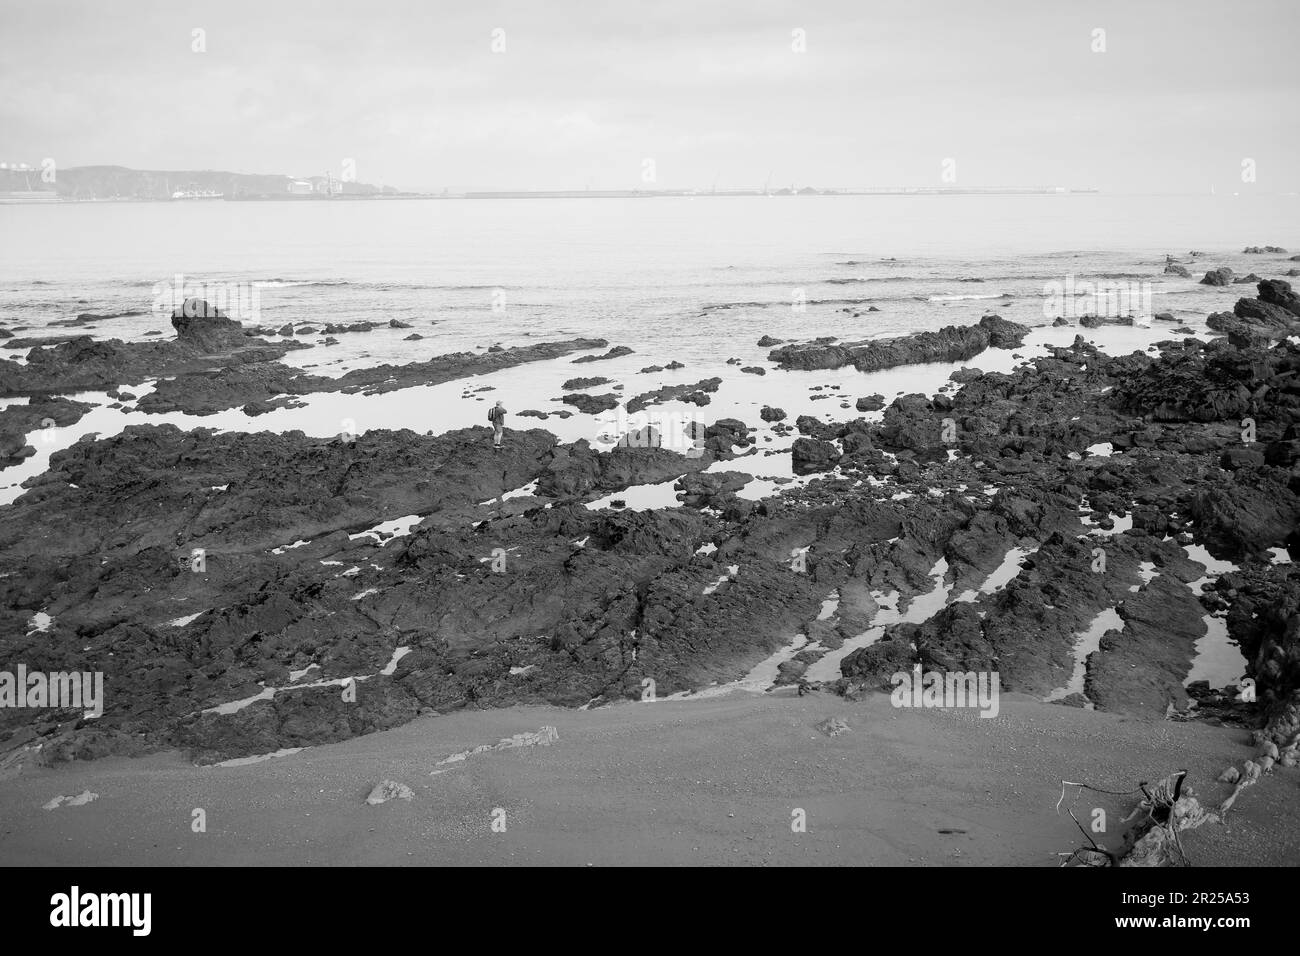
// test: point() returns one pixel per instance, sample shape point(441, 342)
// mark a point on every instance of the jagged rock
point(592, 404)
point(387, 790)
point(1219, 276)
point(18, 421)
point(617, 351)
point(810, 454)
point(1073, 700)
point(77, 800)
point(702, 490)
point(82, 363)
point(580, 382)
point(950, 344)
point(833, 727)
point(696, 394)
point(770, 414)
point(816, 428)
point(282, 518)
point(1278, 292)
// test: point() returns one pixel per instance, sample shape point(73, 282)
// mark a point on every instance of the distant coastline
point(26, 184)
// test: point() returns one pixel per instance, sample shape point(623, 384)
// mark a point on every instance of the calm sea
point(681, 274)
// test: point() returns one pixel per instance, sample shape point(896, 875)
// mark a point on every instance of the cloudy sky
point(583, 94)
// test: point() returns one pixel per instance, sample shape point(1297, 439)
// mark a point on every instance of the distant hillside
point(118, 182)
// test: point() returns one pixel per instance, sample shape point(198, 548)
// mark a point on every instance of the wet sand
point(708, 782)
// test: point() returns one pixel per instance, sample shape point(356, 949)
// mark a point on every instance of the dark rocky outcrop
point(209, 390)
point(204, 338)
point(299, 572)
point(812, 454)
point(1097, 321)
point(21, 424)
point(580, 382)
point(697, 394)
point(591, 404)
point(616, 352)
point(951, 344)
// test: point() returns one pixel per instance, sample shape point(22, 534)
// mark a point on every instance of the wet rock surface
point(697, 394)
point(951, 344)
point(591, 404)
point(203, 340)
point(617, 351)
point(211, 390)
point(249, 592)
point(22, 424)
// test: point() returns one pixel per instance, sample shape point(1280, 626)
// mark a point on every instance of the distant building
point(326, 185)
point(300, 187)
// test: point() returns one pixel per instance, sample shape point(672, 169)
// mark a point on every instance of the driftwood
point(1165, 810)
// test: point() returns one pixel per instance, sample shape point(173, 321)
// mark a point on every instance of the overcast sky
point(584, 93)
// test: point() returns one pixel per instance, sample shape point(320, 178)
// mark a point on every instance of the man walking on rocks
point(497, 416)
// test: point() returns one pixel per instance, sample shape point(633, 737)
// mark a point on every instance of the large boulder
point(702, 490)
point(1278, 292)
point(809, 455)
point(206, 328)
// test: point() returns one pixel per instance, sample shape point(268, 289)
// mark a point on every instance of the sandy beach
point(709, 783)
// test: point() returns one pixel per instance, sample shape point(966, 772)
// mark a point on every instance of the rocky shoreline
point(429, 573)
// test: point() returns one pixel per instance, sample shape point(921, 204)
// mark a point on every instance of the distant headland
point(44, 184)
